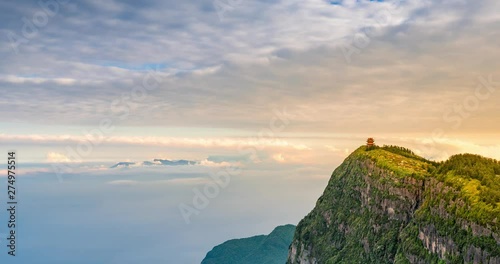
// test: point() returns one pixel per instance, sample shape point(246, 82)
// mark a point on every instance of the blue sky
point(276, 88)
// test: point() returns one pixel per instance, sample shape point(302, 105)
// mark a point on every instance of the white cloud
point(124, 182)
point(257, 142)
point(20, 171)
point(37, 80)
point(54, 157)
point(209, 163)
point(445, 147)
point(332, 148)
point(279, 157)
point(177, 181)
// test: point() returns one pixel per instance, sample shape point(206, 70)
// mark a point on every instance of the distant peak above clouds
point(122, 164)
point(167, 162)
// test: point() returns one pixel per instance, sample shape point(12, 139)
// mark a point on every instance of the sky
point(281, 90)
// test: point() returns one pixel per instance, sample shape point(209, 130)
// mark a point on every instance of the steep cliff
point(388, 205)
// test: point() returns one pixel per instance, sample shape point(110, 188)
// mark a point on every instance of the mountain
point(122, 164)
point(175, 162)
point(270, 249)
point(388, 205)
point(156, 162)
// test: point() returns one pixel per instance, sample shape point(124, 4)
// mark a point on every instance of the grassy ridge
point(456, 201)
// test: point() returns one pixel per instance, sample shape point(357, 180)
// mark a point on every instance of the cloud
point(235, 142)
point(177, 181)
point(332, 148)
point(209, 163)
point(25, 171)
point(263, 55)
point(279, 157)
point(124, 182)
point(54, 157)
point(170, 163)
point(445, 147)
point(35, 80)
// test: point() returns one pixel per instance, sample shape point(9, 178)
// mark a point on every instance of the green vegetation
point(270, 249)
point(383, 204)
point(477, 182)
point(403, 162)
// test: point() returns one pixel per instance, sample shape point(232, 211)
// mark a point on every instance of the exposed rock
point(372, 211)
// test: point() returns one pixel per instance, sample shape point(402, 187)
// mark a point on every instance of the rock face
point(387, 205)
point(264, 249)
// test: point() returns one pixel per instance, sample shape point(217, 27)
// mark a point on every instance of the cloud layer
point(414, 61)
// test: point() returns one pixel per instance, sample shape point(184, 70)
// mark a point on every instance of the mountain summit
point(388, 205)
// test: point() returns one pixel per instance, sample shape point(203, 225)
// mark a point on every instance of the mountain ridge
point(388, 205)
point(265, 249)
